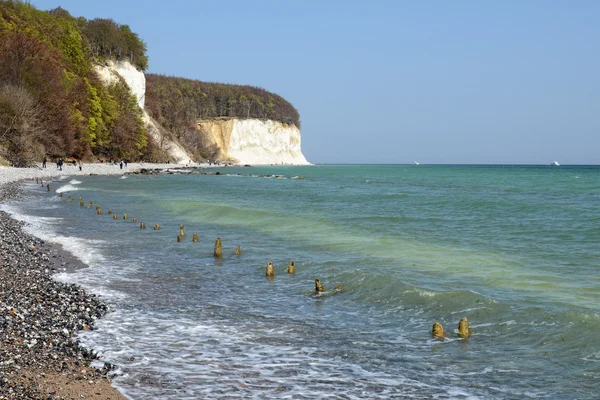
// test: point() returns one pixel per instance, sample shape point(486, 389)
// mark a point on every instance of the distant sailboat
point(554, 163)
point(415, 163)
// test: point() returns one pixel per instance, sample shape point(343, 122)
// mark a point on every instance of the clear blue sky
point(395, 81)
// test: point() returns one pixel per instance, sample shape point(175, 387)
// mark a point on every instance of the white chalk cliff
point(136, 80)
point(256, 142)
point(248, 141)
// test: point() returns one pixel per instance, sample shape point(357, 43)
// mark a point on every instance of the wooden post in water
point(142, 225)
point(437, 331)
point(109, 211)
point(124, 216)
point(179, 238)
point(99, 211)
point(115, 216)
point(270, 271)
point(195, 237)
point(319, 286)
point(156, 227)
point(218, 248)
point(48, 186)
point(134, 219)
point(181, 232)
point(291, 268)
point(60, 194)
point(238, 250)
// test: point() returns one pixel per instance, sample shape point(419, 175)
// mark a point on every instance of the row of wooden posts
point(437, 331)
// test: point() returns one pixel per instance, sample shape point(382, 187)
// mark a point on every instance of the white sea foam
point(206, 359)
point(74, 182)
point(68, 188)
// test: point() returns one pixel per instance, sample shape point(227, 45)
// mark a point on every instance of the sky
point(461, 82)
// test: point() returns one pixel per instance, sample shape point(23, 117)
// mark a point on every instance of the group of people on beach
point(60, 162)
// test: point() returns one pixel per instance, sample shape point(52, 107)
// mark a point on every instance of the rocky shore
point(40, 357)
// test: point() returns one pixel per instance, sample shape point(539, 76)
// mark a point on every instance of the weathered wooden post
point(218, 248)
point(238, 250)
point(291, 268)
point(124, 216)
point(270, 271)
point(437, 332)
point(319, 286)
point(195, 237)
point(463, 328)
point(156, 227)
point(142, 225)
point(179, 238)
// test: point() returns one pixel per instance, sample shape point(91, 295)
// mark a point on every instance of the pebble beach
point(40, 357)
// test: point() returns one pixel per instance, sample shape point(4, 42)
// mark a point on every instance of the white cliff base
point(111, 73)
point(255, 142)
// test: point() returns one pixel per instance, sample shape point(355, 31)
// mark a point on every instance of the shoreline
point(12, 174)
point(40, 356)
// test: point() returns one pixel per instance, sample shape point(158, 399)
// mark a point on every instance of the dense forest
point(51, 100)
point(177, 103)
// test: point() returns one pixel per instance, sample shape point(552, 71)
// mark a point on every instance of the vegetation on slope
point(177, 103)
point(52, 102)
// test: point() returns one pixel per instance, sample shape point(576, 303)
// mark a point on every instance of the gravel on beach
point(40, 357)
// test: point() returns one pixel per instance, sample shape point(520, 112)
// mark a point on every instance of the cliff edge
point(253, 141)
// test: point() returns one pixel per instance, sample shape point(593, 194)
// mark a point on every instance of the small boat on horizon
point(555, 163)
point(415, 163)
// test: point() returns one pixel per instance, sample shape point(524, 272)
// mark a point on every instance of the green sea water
point(516, 249)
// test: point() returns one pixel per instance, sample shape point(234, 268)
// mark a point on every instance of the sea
point(515, 249)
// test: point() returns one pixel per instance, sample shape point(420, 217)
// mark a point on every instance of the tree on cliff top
point(177, 103)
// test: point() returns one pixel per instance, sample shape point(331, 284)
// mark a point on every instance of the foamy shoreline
point(11, 174)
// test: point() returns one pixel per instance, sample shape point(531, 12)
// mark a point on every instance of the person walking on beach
point(44, 163)
point(121, 164)
point(80, 165)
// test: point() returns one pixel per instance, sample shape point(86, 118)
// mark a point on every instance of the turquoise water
point(516, 249)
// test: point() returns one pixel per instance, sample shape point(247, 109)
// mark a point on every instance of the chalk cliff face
point(256, 142)
point(248, 141)
point(136, 80)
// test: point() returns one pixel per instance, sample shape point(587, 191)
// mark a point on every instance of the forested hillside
point(53, 104)
point(51, 100)
point(177, 103)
